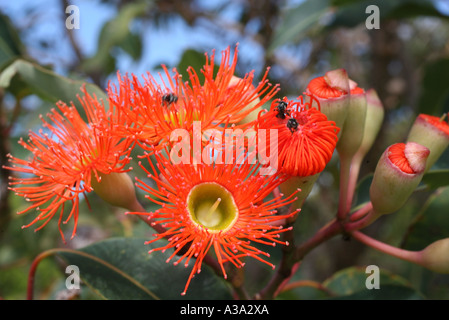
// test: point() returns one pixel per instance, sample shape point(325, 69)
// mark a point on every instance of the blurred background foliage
point(406, 60)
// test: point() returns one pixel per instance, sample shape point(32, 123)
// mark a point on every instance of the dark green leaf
point(362, 191)
point(132, 45)
point(350, 283)
point(194, 59)
point(436, 178)
point(387, 292)
point(353, 279)
point(10, 44)
point(304, 293)
point(434, 98)
point(121, 268)
point(431, 223)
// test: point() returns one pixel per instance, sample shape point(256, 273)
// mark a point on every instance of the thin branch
point(74, 44)
point(410, 256)
point(5, 210)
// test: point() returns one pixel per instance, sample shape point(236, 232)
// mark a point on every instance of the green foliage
point(299, 21)
point(435, 179)
point(350, 284)
point(312, 16)
point(434, 98)
point(117, 33)
point(122, 269)
point(353, 12)
point(10, 43)
point(23, 78)
point(431, 223)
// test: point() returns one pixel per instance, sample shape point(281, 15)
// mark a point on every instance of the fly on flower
point(70, 158)
point(218, 208)
point(307, 139)
point(305, 144)
point(222, 99)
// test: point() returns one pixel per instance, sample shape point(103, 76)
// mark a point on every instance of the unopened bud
point(330, 94)
point(374, 118)
point(117, 189)
point(398, 173)
point(431, 132)
point(305, 184)
point(435, 256)
point(354, 126)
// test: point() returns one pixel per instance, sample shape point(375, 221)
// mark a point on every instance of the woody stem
point(292, 255)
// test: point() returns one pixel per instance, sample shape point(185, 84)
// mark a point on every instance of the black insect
point(281, 108)
point(292, 124)
point(169, 98)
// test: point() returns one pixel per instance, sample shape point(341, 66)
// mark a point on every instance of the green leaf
point(194, 59)
point(121, 268)
point(387, 292)
point(23, 78)
point(435, 179)
point(431, 224)
point(362, 191)
point(114, 33)
point(10, 44)
point(132, 45)
point(350, 283)
point(298, 21)
point(434, 98)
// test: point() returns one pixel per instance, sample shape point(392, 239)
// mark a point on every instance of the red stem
point(352, 180)
point(33, 268)
point(137, 207)
point(411, 256)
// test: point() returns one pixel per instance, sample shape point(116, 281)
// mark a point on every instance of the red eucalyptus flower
point(155, 110)
point(218, 207)
point(306, 138)
point(68, 160)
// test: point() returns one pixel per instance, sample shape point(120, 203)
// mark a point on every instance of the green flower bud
point(431, 132)
point(435, 256)
point(116, 188)
point(374, 118)
point(354, 126)
point(398, 173)
point(305, 184)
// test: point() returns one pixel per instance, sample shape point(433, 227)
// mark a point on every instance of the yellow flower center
point(212, 206)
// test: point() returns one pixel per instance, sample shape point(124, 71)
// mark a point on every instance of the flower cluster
point(206, 208)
